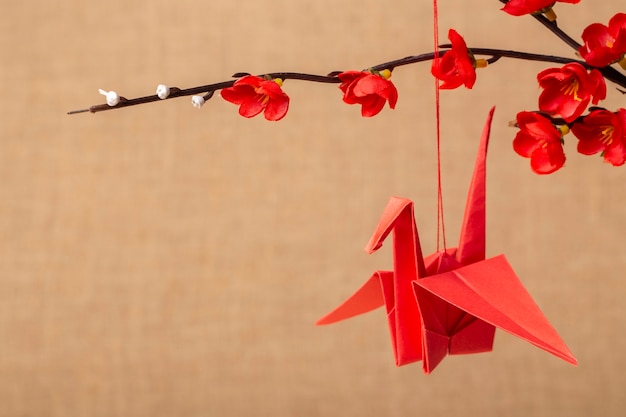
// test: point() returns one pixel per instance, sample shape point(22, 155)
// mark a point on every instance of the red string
point(440, 222)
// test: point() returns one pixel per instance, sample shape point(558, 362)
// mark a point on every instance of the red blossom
point(603, 131)
point(370, 89)
point(539, 140)
point(255, 95)
point(604, 45)
point(567, 91)
point(522, 7)
point(457, 66)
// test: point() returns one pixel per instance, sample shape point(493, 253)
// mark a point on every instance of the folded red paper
point(451, 301)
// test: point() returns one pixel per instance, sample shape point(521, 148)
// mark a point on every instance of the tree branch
point(331, 78)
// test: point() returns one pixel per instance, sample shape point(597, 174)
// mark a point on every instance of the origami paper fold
point(452, 301)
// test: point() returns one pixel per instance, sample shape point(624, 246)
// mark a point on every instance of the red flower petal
point(539, 140)
point(251, 106)
point(237, 94)
point(522, 7)
point(538, 126)
point(375, 85)
point(524, 144)
point(615, 155)
point(590, 147)
point(372, 105)
point(547, 159)
point(277, 109)
point(271, 89)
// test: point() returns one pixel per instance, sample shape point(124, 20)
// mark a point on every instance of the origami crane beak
point(392, 213)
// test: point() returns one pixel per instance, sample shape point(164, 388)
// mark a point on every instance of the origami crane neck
point(399, 216)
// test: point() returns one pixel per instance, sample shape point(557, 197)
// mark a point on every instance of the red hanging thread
point(441, 229)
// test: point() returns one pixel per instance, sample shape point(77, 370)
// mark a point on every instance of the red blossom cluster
point(601, 131)
point(371, 89)
point(566, 94)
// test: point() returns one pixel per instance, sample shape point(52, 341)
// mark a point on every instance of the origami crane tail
point(367, 298)
point(472, 241)
point(492, 292)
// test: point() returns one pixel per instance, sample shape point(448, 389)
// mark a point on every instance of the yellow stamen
point(386, 74)
point(481, 63)
point(263, 98)
point(549, 14)
point(571, 89)
point(607, 135)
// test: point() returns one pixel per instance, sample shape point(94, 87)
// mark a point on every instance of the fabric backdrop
point(167, 261)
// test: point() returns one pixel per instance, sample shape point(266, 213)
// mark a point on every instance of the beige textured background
point(165, 261)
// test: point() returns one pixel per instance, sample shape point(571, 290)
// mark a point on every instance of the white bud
point(162, 91)
point(112, 97)
point(197, 101)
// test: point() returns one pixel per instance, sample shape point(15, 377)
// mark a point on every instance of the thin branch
point(554, 28)
point(332, 78)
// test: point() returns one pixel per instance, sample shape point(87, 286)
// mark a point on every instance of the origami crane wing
point(377, 291)
point(490, 291)
point(367, 298)
point(448, 329)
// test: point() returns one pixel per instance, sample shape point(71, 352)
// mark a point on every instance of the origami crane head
point(451, 301)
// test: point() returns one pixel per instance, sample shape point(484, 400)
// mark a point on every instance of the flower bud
point(197, 101)
point(112, 97)
point(162, 91)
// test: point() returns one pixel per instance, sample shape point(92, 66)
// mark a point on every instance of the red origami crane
point(452, 301)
